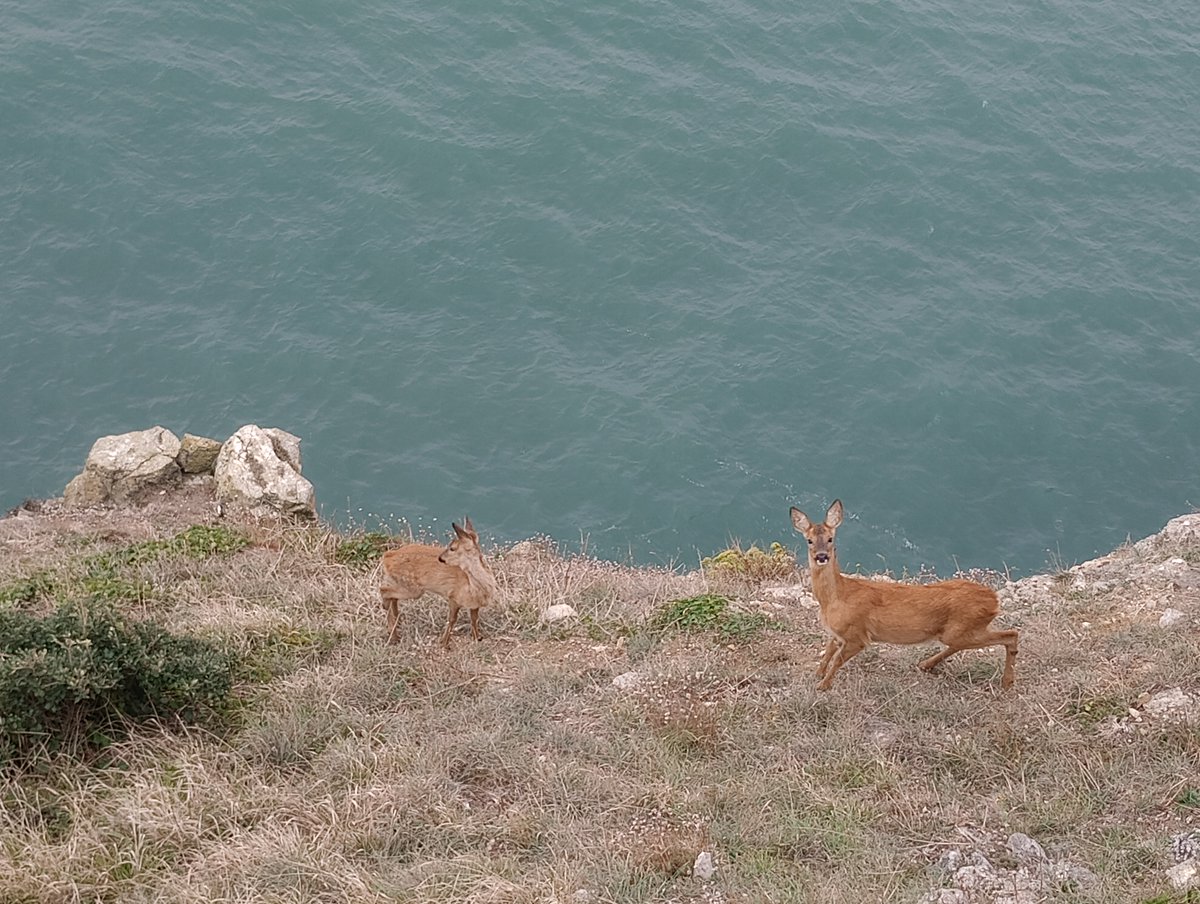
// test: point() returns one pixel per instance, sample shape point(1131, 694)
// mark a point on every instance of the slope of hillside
point(666, 744)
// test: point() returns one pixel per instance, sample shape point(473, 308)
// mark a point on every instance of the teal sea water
point(644, 274)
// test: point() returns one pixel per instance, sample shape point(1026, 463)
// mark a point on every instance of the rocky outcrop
point(1033, 876)
point(258, 472)
point(126, 468)
point(255, 471)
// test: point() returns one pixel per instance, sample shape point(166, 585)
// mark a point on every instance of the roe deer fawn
point(856, 611)
point(457, 572)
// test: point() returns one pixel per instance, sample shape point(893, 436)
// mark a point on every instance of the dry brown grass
point(514, 770)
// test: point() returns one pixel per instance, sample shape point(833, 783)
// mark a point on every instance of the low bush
point(78, 677)
point(777, 562)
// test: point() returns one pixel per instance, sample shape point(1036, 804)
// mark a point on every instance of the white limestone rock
point(1184, 876)
point(558, 613)
point(1171, 705)
point(258, 472)
point(627, 681)
point(126, 467)
point(1172, 618)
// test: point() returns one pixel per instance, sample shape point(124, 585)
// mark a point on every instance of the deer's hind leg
point(450, 626)
point(390, 595)
point(976, 641)
point(392, 605)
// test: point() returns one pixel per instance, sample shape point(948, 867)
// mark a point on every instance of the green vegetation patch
point(711, 612)
point(1189, 799)
point(27, 591)
point(197, 542)
point(201, 541)
point(1191, 896)
point(111, 575)
point(361, 552)
point(80, 675)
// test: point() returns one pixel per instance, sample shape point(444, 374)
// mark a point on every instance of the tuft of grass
point(683, 709)
point(664, 842)
point(1091, 710)
point(1189, 799)
point(280, 650)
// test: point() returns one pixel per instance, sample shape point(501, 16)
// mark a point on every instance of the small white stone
point(627, 681)
point(1182, 876)
point(558, 613)
point(1025, 849)
point(1172, 703)
point(1171, 617)
point(950, 861)
point(703, 868)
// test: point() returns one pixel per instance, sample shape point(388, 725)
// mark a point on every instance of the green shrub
point(694, 612)
point(775, 563)
point(78, 676)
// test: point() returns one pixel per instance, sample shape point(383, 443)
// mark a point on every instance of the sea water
point(637, 276)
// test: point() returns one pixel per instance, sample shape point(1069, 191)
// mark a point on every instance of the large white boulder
point(126, 467)
point(258, 472)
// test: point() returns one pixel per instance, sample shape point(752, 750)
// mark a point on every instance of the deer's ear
point(468, 526)
point(833, 517)
point(458, 530)
point(800, 520)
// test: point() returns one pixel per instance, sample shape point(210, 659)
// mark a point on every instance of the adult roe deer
point(856, 611)
point(457, 572)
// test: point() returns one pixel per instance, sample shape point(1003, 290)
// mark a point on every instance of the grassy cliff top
point(593, 760)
